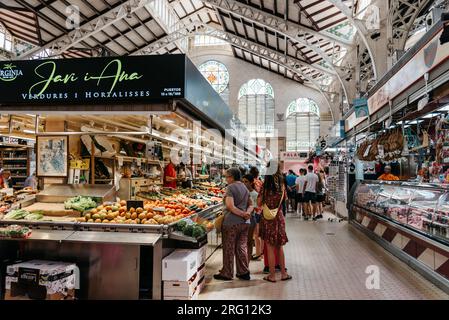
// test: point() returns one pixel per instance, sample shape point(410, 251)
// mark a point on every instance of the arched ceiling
point(304, 40)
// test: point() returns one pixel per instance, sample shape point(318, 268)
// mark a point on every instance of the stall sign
point(80, 164)
point(427, 58)
point(361, 107)
point(92, 80)
point(352, 121)
point(293, 156)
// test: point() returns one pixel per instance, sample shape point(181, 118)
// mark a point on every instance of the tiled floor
point(327, 261)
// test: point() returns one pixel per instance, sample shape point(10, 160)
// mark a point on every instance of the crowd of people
point(254, 217)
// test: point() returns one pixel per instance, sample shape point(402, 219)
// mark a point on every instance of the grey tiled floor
point(327, 261)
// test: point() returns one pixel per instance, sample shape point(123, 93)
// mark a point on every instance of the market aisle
point(327, 261)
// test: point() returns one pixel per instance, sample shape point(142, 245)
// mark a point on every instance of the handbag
point(219, 223)
point(270, 214)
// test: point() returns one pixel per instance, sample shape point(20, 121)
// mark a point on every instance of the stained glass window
point(5, 39)
point(216, 73)
point(256, 107)
point(303, 124)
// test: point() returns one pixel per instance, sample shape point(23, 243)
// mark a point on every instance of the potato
point(122, 209)
point(141, 216)
point(93, 211)
point(143, 221)
point(149, 215)
point(128, 215)
point(97, 220)
point(123, 203)
point(90, 220)
point(110, 216)
point(134, 216)
point(132, 210)
point(105, 221)
point(139, 210)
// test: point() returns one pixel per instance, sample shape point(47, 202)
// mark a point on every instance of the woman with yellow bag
point(272, 224)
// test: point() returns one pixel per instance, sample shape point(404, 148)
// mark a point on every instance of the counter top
point(114, 237)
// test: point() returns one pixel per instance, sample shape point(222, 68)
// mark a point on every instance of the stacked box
point(183, 273)
point(39, 279)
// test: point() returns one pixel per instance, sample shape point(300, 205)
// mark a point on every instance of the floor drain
point(330, 234)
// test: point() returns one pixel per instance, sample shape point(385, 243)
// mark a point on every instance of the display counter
point(117, 260)
point(409, 219)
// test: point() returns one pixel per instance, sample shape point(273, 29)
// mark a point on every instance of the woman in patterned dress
point(273, 231)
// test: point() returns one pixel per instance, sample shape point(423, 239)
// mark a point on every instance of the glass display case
point(421, 207)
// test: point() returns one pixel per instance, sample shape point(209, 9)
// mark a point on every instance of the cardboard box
point(201, 285)
point(202, 271)
point(39, 279)
point(180, 265)
point(193, 297)
point(181, 288)
point(201, 254)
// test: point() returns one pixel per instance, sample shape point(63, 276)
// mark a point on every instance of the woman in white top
point(300, 182)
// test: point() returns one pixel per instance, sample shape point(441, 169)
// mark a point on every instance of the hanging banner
point(361, 107)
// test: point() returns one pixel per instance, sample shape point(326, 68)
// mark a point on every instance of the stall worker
point(31, 182)
point(387, 175)
point(5, 178)
point(170, 175)
point(187, 178)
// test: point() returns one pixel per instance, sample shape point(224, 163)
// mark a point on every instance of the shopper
point(238, 209)
point(248, 180)
point(273, 231)
point(258, 182)
point(320, 194)
point(310, 193)
point(300, 182)
point(187, 178)
point(387, 175)
point(291, 189)
point(170, 175)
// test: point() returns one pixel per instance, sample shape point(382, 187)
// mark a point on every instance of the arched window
point(5, 39)
point(303, 124)
point(218, 76)
point(256, 107)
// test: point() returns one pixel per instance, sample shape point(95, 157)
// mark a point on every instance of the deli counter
point(410, 220)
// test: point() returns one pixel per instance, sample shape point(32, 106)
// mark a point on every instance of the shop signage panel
point(92, 80)
point(352, 121)
point(361, 107)
point(293, 155)
point(431, 55)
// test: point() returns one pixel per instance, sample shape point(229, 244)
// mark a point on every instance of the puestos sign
point(92, 80)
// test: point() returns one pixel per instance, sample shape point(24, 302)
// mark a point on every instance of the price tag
point(139, 162)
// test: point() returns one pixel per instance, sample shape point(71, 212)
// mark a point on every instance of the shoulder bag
point(270, 214)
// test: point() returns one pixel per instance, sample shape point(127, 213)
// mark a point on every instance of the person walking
point(273, 231)
point(237, 214)
point(291, 190)
point(320, 194)
point(300, 182)
point(310, 193)
point(248, 180)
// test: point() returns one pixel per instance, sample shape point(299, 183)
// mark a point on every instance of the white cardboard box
point(193, 297)
point(54, 280)
point(180, 265)
point(200, 253)
point(181, 288)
